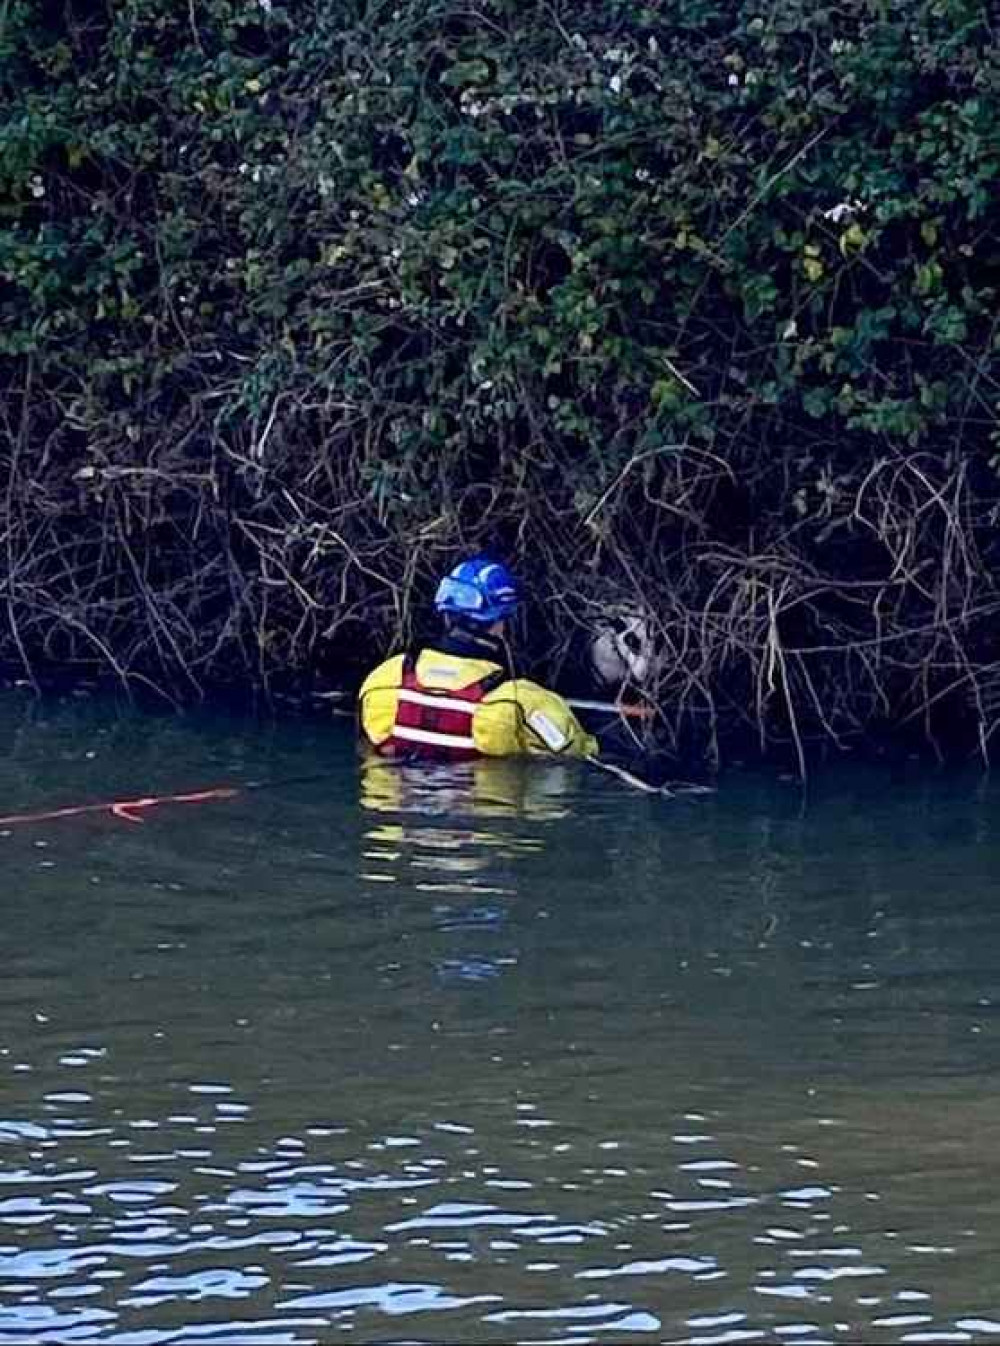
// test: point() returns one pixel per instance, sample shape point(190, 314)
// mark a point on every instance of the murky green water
point(505, 1056)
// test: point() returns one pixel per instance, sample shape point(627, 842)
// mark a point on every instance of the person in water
point(456, 699)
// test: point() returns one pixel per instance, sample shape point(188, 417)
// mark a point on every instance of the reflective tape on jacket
point(434, 738)
point(437, 723)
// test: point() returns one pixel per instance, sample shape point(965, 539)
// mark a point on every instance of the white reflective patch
point(547, 730)
point(432, 737)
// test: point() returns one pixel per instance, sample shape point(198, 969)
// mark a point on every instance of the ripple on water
point(504, 1092)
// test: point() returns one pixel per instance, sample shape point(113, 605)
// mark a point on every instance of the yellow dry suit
point(442, 706)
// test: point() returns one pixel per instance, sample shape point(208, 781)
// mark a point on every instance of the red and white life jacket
point(435, 723)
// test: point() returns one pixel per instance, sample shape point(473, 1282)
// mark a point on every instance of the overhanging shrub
point(688, 302)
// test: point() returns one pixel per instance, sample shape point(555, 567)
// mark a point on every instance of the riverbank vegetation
point(687, 304)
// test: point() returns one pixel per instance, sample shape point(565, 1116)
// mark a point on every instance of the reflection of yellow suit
point(474, 792)
point(516, 719)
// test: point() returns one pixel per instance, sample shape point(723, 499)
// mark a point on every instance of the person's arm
point(520, 718)
point(378, 698)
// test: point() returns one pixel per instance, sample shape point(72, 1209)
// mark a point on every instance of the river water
point(504, 1054)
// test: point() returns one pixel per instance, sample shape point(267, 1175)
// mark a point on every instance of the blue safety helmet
point(478, 590)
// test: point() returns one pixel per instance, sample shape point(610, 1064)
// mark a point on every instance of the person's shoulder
point(528, 696)
point(440, 668)
point(386, 674)
point(527, 690)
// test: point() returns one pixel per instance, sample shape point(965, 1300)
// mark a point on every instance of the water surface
point(490, 1055)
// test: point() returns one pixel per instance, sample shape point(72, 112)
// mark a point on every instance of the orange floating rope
point(125, 809)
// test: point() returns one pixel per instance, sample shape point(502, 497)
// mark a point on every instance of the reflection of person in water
point(442, 832)
point(489, 788)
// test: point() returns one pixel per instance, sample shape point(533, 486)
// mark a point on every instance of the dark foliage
point(682, 303)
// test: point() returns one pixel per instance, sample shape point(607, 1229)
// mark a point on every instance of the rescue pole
point(626, 711)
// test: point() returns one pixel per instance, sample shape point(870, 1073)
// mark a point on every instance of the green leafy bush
point(693, 303)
